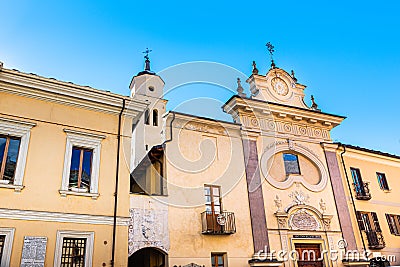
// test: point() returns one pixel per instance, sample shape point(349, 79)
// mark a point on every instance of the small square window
point(291, 162)
point(74, 249)
point(73, 252)
point(383, 184)
point(218, 260)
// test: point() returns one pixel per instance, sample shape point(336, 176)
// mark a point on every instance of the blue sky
point(346, 52)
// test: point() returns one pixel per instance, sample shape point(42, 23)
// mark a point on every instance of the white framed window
point(74, 248)
point(6, 241)
point(81, 164)
point(14, 142)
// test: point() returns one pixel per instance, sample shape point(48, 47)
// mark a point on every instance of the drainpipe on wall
point(116, 184)
point(170, 129)
point(351, 192)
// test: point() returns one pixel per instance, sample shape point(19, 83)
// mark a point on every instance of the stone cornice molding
point(237, 105)
point(64, 93)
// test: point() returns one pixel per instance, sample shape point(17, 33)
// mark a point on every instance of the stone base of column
point(356, 263)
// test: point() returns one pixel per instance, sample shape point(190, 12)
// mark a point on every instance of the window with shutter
point(374, 217)
point(393, 223)
point(360, 221)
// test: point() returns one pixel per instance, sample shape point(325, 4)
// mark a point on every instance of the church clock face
point(279, 86)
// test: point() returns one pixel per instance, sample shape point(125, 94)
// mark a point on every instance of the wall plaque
point(34, 251)
point(307, 236)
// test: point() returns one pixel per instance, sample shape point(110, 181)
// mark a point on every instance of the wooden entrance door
point(309, 255)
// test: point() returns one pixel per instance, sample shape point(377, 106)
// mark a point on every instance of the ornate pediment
point(277, 86)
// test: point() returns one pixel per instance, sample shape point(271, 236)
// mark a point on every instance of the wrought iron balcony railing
point(362, 191)
point(375, 240)
point(222, 223)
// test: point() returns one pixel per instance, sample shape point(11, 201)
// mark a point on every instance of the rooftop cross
point(271, 50)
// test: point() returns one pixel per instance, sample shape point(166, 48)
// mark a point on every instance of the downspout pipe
point(170, 129)
point(116, 184)
point(350, 190)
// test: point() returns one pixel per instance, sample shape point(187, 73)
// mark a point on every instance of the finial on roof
point(255, 70)
point(293, 77)
point(271, 50)
point(147, 59)
point(314, 105)
point(1, 65)
point(240, 89)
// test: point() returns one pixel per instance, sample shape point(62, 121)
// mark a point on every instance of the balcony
point(218, 223)
point(375, 240)
point(362, 191)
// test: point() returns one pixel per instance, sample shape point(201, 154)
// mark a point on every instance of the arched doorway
point(147, 257)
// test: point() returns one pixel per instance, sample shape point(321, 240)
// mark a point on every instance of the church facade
point(151, 187)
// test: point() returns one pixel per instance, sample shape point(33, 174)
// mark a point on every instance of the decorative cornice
point(30, 215)
point(14, 121)
point(64, 93)
point(98, 136)
point(259, 108)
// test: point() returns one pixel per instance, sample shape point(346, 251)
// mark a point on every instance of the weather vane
point(147, 51)
point(271, 50)
point(147, 61)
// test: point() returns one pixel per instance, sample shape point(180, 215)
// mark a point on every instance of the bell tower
point(147, 131)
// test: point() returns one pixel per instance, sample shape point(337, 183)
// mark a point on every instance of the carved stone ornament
point(299, 198)
point(278, 203)
point(322, 205)
point(282, 222)
point(326, 220)
point(302, 220)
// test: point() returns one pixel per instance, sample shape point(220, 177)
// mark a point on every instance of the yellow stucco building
point(369, 181)
point(58, 154)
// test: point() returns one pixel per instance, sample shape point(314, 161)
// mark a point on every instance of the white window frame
point(21, 129)
point(61, 234)
point(85, 140)
point(8, 242)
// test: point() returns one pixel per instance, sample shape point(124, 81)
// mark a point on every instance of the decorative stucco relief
point(303, 220)
point(280, 146)
point(148, 228)
point(201, 127)
point(284, 127)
